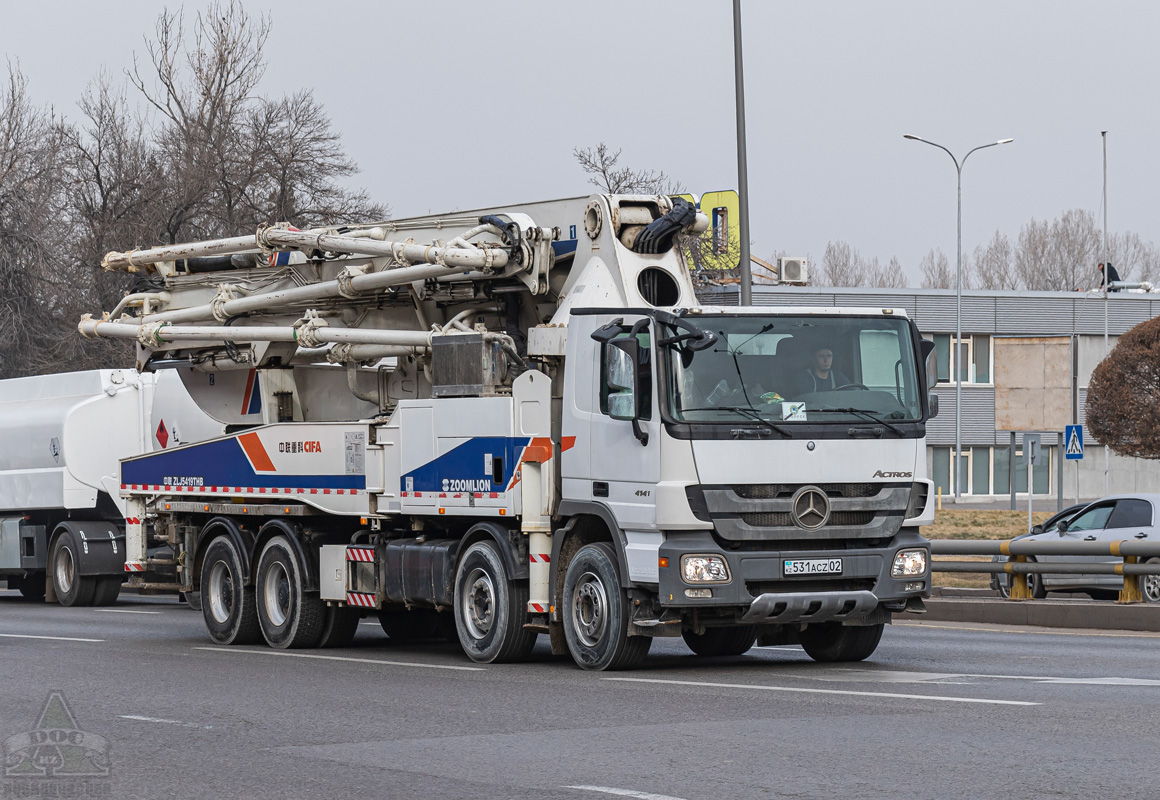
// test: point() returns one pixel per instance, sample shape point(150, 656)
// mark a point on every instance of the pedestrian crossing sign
point(1073, 437)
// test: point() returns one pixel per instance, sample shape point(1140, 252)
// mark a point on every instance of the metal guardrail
point(1018, 551)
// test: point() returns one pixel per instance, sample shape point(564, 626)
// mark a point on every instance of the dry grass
point(976, 524)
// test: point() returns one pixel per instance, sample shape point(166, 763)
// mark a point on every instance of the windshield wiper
point(751, 413)
point(868, 415)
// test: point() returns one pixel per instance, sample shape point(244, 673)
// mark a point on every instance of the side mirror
point(620, 360)
point(1037, 529)
point(1062, 527)
point(930, 358)
point(623, 377)
point(933, 405)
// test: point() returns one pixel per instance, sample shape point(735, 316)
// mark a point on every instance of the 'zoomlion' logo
point(467, 486)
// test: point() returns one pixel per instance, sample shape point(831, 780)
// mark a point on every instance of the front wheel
point(288, 615)
point(72, 588)
point(1034, 582)
point(1150, 584)
point(490, 609)
point(596, 613)
point(227, 604)
point(721, 641)
point(833, 641)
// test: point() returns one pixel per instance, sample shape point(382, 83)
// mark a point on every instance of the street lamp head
point(912, 136)
point(1004, 141)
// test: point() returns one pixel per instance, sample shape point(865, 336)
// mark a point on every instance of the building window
point(940, 469)
point(980, 470)
point(975, 362)
point(1001, 462)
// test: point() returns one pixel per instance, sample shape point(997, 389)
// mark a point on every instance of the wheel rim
point(276, 594)
point(479, 604)
point(65, 570)
point(1150, 586)
point(221, 592)
point(590, 609)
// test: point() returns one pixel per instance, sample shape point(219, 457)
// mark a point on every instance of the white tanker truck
point(519, 421)
point(62, 516)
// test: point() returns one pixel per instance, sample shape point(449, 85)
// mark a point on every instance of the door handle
point(1089, 538)
point(1141, 535)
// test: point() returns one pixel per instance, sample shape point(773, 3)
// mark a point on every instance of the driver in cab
point(821, 375)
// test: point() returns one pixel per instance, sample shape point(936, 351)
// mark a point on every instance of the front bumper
point(758, 592)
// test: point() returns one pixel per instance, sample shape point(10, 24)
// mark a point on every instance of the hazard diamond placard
point(1073, 442)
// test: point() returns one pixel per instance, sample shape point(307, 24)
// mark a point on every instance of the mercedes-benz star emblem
point(811, 508)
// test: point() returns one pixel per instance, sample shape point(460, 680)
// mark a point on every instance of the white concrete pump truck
point(506, 422)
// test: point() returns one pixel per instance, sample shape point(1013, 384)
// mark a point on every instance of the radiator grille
point(772, 491)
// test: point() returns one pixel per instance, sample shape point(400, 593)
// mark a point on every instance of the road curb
point(1043, 613)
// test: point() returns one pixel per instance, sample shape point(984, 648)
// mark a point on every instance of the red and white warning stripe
point(360, 554)
point(133, 520)
point(361, 600)
point(538, 608)
point(134, 566)
point(539, 558)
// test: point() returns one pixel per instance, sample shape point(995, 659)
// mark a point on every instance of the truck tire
point(832, 641)
point(490, 609)
point(721, 641)
point(228, 606)
point(409, 626)
point(72, 588)
point(192, 599)
point(107, 591)
point(339, 626)
point(288, 615)
point(596, 613)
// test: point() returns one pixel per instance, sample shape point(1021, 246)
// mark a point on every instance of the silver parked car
point(1127, 516)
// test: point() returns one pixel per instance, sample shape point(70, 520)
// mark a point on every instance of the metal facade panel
point(1124, 311)
point(1033, 316)
point(978, 423)
point(935, 313)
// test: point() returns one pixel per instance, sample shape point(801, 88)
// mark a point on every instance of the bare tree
point(889, 276)
point(600, 163)
point(32, 227)
point(992, 264)
point(842, 265)
point(936, 271)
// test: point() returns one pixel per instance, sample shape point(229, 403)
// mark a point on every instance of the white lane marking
point(125, 611)
point(137, 718)
point(796, 647)
point(344, 658)
point(902, 676)
point(53, 638)
point(792, 689)
point(624, 792)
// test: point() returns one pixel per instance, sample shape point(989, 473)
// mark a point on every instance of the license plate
point(812, 566)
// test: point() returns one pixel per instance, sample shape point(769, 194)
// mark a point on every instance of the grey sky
point(457, 104)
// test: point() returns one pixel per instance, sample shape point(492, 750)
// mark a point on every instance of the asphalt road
point(941, 710)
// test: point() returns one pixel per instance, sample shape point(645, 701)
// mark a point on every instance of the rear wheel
point(1034, 583)
point(412, 625)
point(227, 603)
point(339, 626)
point(721, 641)
point(288, 615)
point(107, 590)
point(833, 641)
point(596, 613)
point(490, 609)
point(72, 588)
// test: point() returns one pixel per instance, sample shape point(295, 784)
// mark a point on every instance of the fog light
point(909, 563)
point(698, 593)
point(914, 587)
point(704, 569)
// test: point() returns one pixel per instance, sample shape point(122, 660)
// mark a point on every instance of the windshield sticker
point(793, 412)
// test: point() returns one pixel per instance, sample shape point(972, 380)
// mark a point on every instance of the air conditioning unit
point(793, 271)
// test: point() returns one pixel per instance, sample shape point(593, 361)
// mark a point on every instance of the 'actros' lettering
point(881, 474)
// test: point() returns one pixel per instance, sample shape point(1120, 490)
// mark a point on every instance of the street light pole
point(958, 300)
point(742, 166)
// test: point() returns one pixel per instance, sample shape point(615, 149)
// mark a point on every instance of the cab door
point(1087, 527)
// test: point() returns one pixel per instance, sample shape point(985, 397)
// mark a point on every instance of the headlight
point(704, 569)
point(909, 564)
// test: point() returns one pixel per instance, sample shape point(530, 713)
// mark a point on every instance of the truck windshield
point(793, 369)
